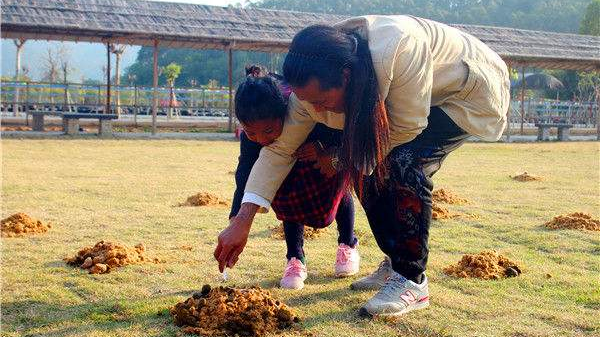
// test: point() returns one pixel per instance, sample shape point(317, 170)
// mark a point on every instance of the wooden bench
point(544, 130)
point(38, 118)
point(71, 123)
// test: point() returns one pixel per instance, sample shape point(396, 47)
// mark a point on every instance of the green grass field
point(124, 191)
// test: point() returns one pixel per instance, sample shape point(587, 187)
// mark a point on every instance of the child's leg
point(345, 221)
point(294, 239)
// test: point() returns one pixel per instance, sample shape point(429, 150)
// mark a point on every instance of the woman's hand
point(325, 165)
point(309, 152)
point(232, 240)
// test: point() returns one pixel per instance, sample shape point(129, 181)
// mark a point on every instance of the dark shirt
point(250, 150)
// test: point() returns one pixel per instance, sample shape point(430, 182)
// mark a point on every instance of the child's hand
point(309, 152)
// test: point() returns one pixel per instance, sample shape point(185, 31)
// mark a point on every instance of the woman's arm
point(273, 165)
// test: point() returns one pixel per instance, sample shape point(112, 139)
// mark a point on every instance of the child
point(308, 196)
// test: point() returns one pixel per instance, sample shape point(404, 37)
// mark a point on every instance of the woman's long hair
point(323, 52)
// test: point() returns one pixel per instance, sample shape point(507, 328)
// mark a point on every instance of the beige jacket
point(419, 64)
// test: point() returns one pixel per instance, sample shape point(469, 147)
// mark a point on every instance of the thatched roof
point(198, 26)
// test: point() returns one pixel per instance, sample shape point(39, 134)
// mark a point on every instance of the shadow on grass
point(36, 318)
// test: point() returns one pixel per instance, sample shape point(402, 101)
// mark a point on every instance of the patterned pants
point(399, 213)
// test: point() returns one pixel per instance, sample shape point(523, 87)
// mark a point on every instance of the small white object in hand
point(224, 276)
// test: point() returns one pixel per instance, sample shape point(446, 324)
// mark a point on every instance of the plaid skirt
point(308, 197)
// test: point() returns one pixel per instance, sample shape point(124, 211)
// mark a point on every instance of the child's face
point(263, 131)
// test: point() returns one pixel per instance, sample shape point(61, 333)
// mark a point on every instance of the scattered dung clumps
point(447, 197)
point(105, 256)
point(576, 220)
point(440, 213)
point(309, 232)
point(226, 311)
point(487, 265)
point(203, 199)
point(523, 177)
point(20, 224)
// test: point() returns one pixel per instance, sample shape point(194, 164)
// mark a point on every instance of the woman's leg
point(345, 221)
point(294, 240)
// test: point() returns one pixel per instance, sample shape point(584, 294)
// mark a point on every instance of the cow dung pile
point(447, 197)
point(203, 199)
point(105, 256)
point(226, 311)
point(20, 224)
point(309, 232)
point(576, 220)
point(523, 177)
point(487, 265)
point(440, 213)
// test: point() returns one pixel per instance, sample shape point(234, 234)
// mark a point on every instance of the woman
point(406, 91)
point(307, 196)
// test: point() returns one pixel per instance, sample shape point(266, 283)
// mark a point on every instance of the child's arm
point(249, 152)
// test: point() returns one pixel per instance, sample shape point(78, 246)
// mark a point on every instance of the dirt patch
point(309, 232)
point(441, 213)
point(20, 224)
point(487, 265)
point(203, 199)
point(447, 197)
point(576, 220)
point(226, 311)
point(523, 177)
point(105, 256)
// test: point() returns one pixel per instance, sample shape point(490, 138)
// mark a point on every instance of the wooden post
point(522, 98)
point(27, 104)
point(107, 110)
point(597, 90)
point(135, 104)
point(230, 80)
point(509, 109)
point(155, 84)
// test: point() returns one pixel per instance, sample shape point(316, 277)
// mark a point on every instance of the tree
point(171, 73)
point(19, 44)
point(590, 24)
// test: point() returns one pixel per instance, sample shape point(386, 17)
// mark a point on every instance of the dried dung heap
point(440, 213)
point(20, 224)
point(487, 265)
point(105, 256)
point(309, 232)
point(445, 196)
point(523, 177)
point(226, 311)
point(203, 199)
point(576, 220)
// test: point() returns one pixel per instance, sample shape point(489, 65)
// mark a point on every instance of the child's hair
point(259, 98)
point(255, 70)
point(323, 52)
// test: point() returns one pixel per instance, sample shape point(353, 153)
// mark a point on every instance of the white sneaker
point(375, 280)
point(347, 260)
point(397, 297)
point(294, 275)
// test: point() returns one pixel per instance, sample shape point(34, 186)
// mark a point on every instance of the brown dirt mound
point(309, 232)
point(105, 256)
point(523, 177)
point(20, 224)
point(203, 199)
point(226, 311)
point(446, 196)
point(487, 265)
point(576, 220)
point(440, 213)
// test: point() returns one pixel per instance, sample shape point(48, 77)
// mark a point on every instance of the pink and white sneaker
point(347, 260)
point(294, 275)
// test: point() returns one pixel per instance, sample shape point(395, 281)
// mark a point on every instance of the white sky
point(222, 3)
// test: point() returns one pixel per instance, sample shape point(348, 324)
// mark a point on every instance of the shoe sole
point(342, 275)
point(364, 313)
